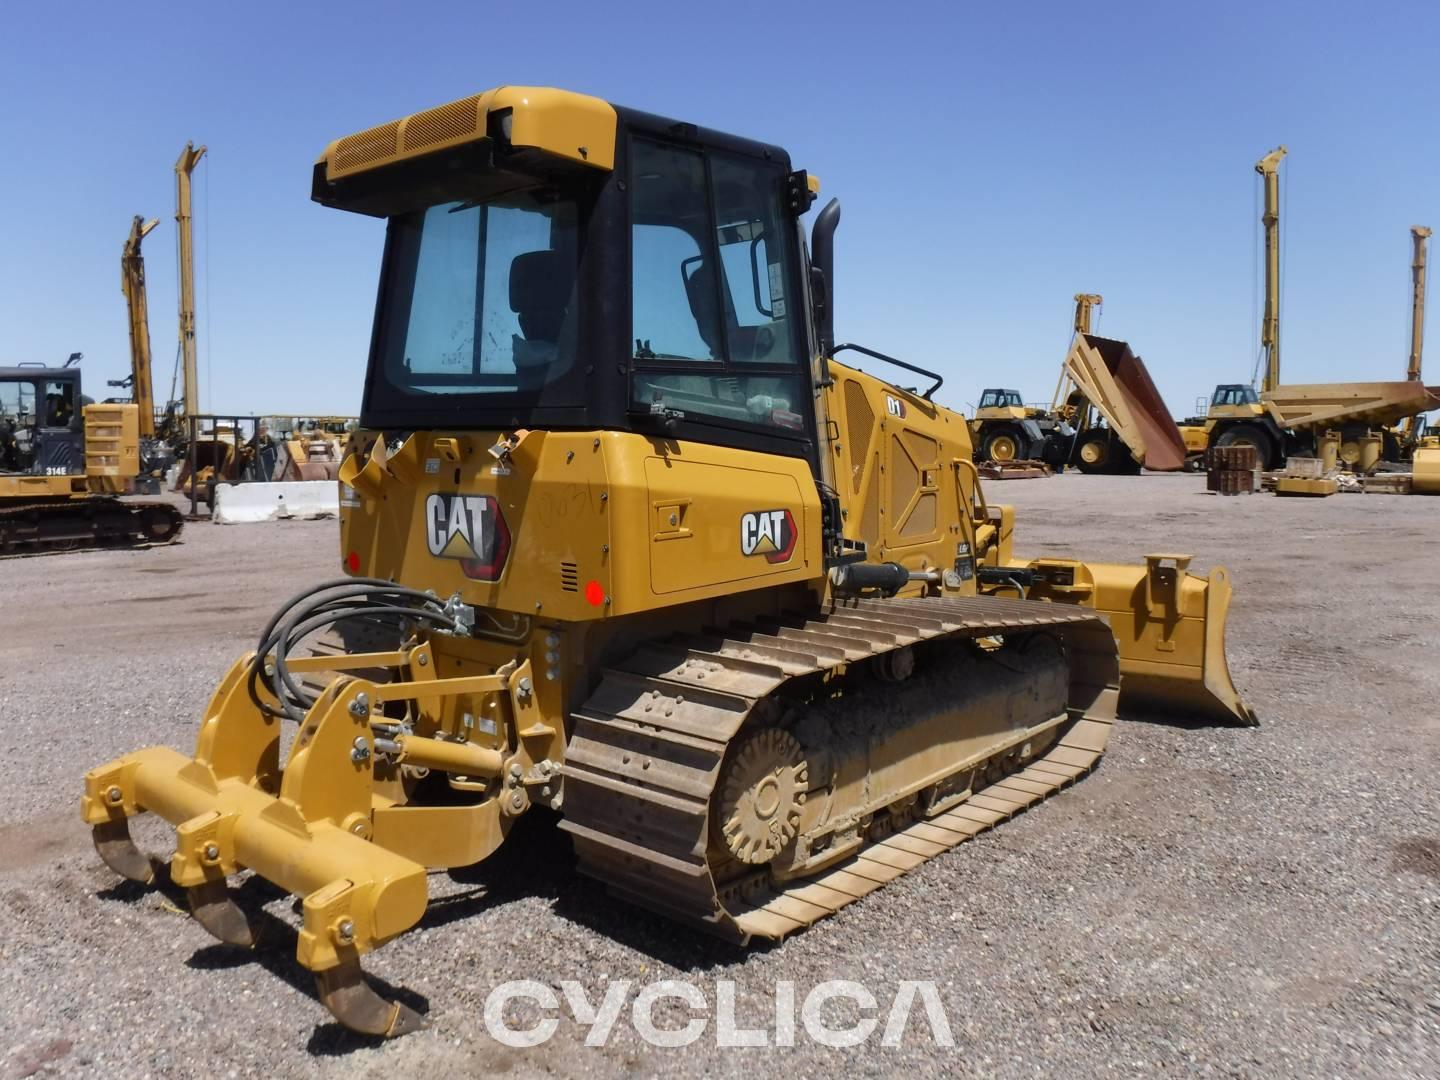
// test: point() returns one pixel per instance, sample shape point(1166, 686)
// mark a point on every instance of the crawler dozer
point(621, 537)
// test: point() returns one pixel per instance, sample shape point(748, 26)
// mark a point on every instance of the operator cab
point(41, 424)
point(1234, 394)
point(527, 282)
point(1001, 399)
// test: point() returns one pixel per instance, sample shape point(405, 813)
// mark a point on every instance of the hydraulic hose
point(326, 604)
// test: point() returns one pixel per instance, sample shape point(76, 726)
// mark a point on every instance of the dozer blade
point(1169, 625)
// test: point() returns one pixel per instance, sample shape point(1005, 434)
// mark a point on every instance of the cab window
point(481, 298)
point(17, 401)
point(714, 329)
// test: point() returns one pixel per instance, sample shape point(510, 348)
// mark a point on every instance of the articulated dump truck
point(622, 539)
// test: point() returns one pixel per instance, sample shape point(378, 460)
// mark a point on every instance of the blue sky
point(992, 160)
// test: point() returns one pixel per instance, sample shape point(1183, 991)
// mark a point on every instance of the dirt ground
point(1252, 902)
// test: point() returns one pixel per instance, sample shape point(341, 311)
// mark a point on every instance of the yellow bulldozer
point(622, 537)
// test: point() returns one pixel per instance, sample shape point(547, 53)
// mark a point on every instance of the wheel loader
point(623, 537)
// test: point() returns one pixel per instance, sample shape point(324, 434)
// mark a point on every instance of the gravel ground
point(1249, 902)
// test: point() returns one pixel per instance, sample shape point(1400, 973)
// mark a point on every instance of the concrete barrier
point(241, 504)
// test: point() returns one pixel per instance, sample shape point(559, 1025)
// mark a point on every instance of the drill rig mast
point(1269, 168)
point(132, 284)
point(184, 166)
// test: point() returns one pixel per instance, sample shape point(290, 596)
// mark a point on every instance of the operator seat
point(540, 287)
point(57, 411)
point(747, 343)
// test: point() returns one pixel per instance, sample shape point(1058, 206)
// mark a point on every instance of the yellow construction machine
point(1423, 444)
point(1412, 430)
point(65, 460)
point(1290, 420)
point(157, 440)
point(1106, 415)
point(1107, 397)
point(621, 537)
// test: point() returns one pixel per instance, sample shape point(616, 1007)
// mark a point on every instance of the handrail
point(977, 491)
point(939, 381)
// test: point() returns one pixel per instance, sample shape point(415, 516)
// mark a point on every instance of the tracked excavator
point(623, 537)
point(64, 463)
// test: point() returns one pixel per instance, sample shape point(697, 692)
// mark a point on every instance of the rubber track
point(647, 747)
point(17, 539)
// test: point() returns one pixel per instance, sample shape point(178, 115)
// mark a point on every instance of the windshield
point(480, 297)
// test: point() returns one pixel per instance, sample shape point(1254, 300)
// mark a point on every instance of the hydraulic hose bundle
point(321, 606)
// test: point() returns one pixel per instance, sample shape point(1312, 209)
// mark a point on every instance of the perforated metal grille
point(453, 121)
point(367, 147)
point(861, 422)
point(569, 577)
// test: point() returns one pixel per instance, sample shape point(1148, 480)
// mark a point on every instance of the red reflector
point(594, 593)
point(353, 562)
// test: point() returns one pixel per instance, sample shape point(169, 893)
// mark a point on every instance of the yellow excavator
point(65, 460)
point(157, 441)
point(622, 537)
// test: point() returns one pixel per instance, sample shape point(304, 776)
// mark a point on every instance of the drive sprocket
point(761, 791)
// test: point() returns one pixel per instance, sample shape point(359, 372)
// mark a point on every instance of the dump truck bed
point(1118, 384)
point(1334, 405)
